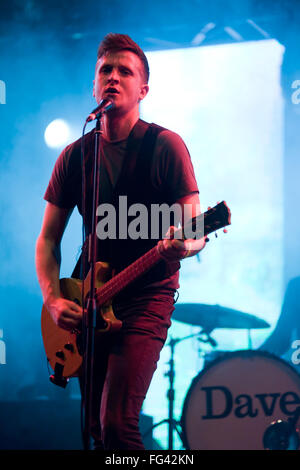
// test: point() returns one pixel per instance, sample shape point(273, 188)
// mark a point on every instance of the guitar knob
point(69, 347)
point(225, 231)
point(60, 354)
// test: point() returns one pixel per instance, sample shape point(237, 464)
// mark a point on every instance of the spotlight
point(57, 133)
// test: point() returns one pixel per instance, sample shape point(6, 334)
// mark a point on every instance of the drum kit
point(242, 400)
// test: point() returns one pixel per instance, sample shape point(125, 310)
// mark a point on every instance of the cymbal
point(216, 316)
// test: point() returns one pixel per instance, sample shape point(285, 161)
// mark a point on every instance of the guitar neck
point(128, 275)
point(202, 225)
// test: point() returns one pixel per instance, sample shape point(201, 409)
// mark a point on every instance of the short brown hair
point(114, 42)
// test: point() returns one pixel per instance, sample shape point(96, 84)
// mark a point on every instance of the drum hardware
point(174, 425)
point(231, 402)
point(216, 316)
point(283, 435)
point(208, 317)
point(249, 339)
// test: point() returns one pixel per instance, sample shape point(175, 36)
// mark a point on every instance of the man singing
point(149, 165)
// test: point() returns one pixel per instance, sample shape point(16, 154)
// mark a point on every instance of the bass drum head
point(231, 403)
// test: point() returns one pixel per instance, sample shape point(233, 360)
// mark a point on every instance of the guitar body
point(62, 347)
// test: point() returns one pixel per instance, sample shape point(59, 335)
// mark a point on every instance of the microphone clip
point(104, 106)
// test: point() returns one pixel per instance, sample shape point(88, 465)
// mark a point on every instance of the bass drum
point(232, 402)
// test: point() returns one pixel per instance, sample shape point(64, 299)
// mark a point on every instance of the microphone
point(104, 106)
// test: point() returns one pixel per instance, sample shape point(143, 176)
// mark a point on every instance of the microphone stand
point(90, 314)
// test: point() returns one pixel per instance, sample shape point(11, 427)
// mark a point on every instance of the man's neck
point(117, 127)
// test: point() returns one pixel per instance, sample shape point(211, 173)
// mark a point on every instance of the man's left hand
point(173, 249)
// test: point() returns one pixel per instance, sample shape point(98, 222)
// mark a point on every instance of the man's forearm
point(47, 261)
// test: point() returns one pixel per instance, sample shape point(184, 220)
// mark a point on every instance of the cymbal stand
point(249, 339)
point(174, 425)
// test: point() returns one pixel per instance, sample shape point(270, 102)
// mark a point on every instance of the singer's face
point(119, 76)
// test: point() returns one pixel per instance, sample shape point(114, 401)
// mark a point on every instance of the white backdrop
point(226, 103)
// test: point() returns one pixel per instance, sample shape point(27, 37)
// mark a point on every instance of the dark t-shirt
point(171, 168)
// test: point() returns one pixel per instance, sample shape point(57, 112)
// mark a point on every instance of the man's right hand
point(65, 313)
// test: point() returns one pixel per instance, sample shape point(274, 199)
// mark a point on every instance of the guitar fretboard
point(128, 275)
point(202, 225)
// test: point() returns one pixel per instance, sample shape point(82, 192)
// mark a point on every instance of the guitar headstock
point(213, 219)
point(216, 217)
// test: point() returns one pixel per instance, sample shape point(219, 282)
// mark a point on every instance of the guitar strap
point(137, 161)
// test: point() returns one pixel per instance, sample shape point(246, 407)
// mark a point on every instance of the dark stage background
point(47, 56)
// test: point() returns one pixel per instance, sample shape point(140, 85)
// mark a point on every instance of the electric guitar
point(64, 348)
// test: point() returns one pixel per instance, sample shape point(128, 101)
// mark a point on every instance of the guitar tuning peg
point(225, 230)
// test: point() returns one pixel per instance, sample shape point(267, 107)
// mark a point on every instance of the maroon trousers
point(123, 368)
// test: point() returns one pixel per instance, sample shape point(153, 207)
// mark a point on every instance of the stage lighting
point(57, 133)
